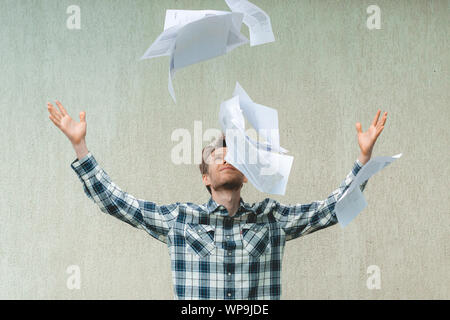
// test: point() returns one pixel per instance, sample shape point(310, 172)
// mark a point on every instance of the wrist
point(79, 143)
point(364, 157)
point(80, 149)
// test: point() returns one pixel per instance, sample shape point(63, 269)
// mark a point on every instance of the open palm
point(366, 140)
point(75, 131)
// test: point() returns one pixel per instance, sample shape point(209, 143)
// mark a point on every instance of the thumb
point(83, 116)
point(358, 127)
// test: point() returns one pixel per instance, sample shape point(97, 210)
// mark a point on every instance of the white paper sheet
point(371, 167)
point(268, 171)
point(163, 45)
point(349, 206)
point(352, 201)
point(183, 17)
point(192, 36)
point(202, 40)
point(256, 19)
point(262, 118)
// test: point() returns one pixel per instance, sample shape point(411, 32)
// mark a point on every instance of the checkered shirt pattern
point(214, 255)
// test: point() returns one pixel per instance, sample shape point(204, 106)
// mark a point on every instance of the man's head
point(216, 172)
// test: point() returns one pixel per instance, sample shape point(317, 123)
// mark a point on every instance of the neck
point(230, 199)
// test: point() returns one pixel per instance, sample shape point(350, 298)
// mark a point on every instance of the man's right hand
point(75, 131)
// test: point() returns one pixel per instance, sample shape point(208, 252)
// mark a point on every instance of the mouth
point(228, 168)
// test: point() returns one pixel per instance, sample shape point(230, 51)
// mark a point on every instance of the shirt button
point(228, 237)
point(229, 253)
point(229, 273)
point(229, 294)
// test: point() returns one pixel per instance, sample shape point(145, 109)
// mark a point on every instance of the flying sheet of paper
point(192, 36)
point(256, 19)
point(182, 17)
point(177, 19)
point(267, 171)
point(349, 206)
point(260, 117)
point(163, 45)
point(352, 201)
point(200, 40)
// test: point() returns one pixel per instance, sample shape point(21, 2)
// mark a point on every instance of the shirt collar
point(213, 206)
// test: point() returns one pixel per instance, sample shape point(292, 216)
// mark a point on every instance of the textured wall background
point(325, 72)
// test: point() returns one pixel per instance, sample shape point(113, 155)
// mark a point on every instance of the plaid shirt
point(213, 255)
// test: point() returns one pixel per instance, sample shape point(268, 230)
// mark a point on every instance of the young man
point(225, 248)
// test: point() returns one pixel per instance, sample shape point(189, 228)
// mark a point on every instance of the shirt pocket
point(200, 239)
point(255, 238)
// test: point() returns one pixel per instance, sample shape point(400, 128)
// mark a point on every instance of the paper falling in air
point(192, 36)
point(256, 20)
point(268, 171)
point(352, 201)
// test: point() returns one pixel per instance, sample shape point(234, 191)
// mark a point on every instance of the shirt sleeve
point(154, 219)
point(301, 219)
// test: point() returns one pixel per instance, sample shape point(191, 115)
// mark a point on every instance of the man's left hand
point(366, 140)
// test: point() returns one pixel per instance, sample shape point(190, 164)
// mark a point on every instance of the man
point(225, 248)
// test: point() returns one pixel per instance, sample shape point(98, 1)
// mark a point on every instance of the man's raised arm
point(300, 219)
point(106, 194)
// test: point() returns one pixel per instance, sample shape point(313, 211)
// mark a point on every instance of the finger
point(53, 111)
point(379, 132)
point(375, 120)
point(83, 116)
point(383, 120)
point(61, 108)
point(358, 127)
point(56, 122)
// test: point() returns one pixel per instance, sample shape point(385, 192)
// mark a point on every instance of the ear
point(205, 179)
point(245, 179)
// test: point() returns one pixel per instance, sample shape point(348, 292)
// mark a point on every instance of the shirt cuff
point(357, 165)
point(85, 167)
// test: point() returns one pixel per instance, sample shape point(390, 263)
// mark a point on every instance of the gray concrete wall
point(325, 72)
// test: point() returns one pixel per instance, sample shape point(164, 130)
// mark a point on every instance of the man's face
point(222, 175)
